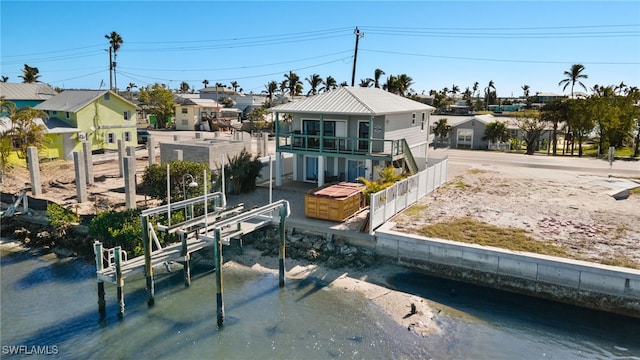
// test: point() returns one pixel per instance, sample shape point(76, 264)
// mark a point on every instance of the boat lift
point(215, 229)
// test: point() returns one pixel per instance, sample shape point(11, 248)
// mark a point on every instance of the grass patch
point(635, 191)
point(459, 184)
point(471, 231)
point(477, 171)
point(621, 261)
point(415, 210)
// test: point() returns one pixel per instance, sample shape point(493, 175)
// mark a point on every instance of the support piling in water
point(117, 252)
point(97, 250)
point(217, 249)
point(186, 258)
point(148, 267)
point(282, 247)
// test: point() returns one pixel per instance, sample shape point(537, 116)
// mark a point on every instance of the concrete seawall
point(608, 288)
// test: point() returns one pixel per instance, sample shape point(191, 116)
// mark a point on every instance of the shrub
point(154, 180)
point(60, 218)
point(119, 228)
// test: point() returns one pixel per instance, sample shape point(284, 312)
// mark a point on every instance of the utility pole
point(355, 55)
point(110, 69)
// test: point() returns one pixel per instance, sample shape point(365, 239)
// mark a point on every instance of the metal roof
point(74, 100)
point(21, 91)
point(354, 101)
point(53, 125)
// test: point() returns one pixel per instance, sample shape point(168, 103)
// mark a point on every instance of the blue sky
point(438, 44)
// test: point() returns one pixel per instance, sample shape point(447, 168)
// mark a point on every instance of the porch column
point(278, 174)
point(321, 160)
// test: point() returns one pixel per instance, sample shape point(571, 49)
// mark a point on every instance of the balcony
point(351, 147)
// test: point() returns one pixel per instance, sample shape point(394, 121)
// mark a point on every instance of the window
point(106, 96)
point(185, 110)
point(413, 118)
point(513, 133)
point(185, 122)
point(111, 138)
point(68, 116)
point(127, 136)
point(127, 115)
point(55, 112)
point(422, 122)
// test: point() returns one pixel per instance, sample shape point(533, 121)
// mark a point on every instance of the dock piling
point(117, 252)
point(282, 246)
point(186, 257)
point(97, 250)
point(217, 249)
point(148, 268)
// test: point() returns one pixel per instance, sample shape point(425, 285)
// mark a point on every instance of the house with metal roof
point(25, 94)
point(467, 132)
point(100, 117)
point(347, 133)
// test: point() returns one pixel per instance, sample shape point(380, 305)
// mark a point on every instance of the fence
point(390, 201)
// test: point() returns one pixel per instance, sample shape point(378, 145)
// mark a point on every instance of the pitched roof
point(53, 125)
point(74, 100)
point(353, 101)
point(201, 102)
point(21, 91)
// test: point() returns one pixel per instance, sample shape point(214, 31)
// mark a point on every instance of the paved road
point(619, 168)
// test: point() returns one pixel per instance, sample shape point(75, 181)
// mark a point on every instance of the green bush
point(242, 172)
point(60, 218)
point(119, 228)
point(154, 180)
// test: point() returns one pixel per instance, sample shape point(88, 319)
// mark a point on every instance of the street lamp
point(191, 184)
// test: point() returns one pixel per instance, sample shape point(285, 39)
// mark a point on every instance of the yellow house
point(100, 117)
point(204, 114)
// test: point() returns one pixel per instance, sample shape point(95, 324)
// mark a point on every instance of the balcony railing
point(339, 145)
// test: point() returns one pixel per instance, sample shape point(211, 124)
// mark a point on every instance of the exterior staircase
point(409, 160)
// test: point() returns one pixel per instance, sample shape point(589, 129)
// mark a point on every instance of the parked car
point(143, 136)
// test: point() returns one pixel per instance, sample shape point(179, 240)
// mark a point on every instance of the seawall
point(608, 288)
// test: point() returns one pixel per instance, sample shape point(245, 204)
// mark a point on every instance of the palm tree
point(4, 79)
point(404, 83)
point(366, 82)
point(234, 85)
point(130, 88)
point(271, 88)
point(314, 81)
point(488, 94)
point(442, 129)
point(205, 82)
point(294, 85)
point(620, 88)
point(376, 78)
point(115, 40)
point(184, 87)
point(475, 88)
point(454, 90)
point(30, 74)
point(329, 84)
point(526, 89)
point(572, 77)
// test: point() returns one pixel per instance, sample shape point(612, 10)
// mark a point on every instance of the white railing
point(388, 202)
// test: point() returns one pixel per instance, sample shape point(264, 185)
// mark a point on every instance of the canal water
point(50, 305)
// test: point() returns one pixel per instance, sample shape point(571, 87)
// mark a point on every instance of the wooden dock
point(212, 229)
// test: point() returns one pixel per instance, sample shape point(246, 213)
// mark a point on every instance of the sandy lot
point(570, 209)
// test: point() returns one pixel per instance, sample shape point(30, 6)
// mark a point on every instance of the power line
point(498, 60)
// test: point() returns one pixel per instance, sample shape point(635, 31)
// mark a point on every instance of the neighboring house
point(347, 133)
point(26, 95)
point(204, 114)
point(101, 117)
point(247, 102)
point(467, 131)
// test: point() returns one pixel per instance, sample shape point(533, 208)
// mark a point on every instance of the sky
point(438, 44)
